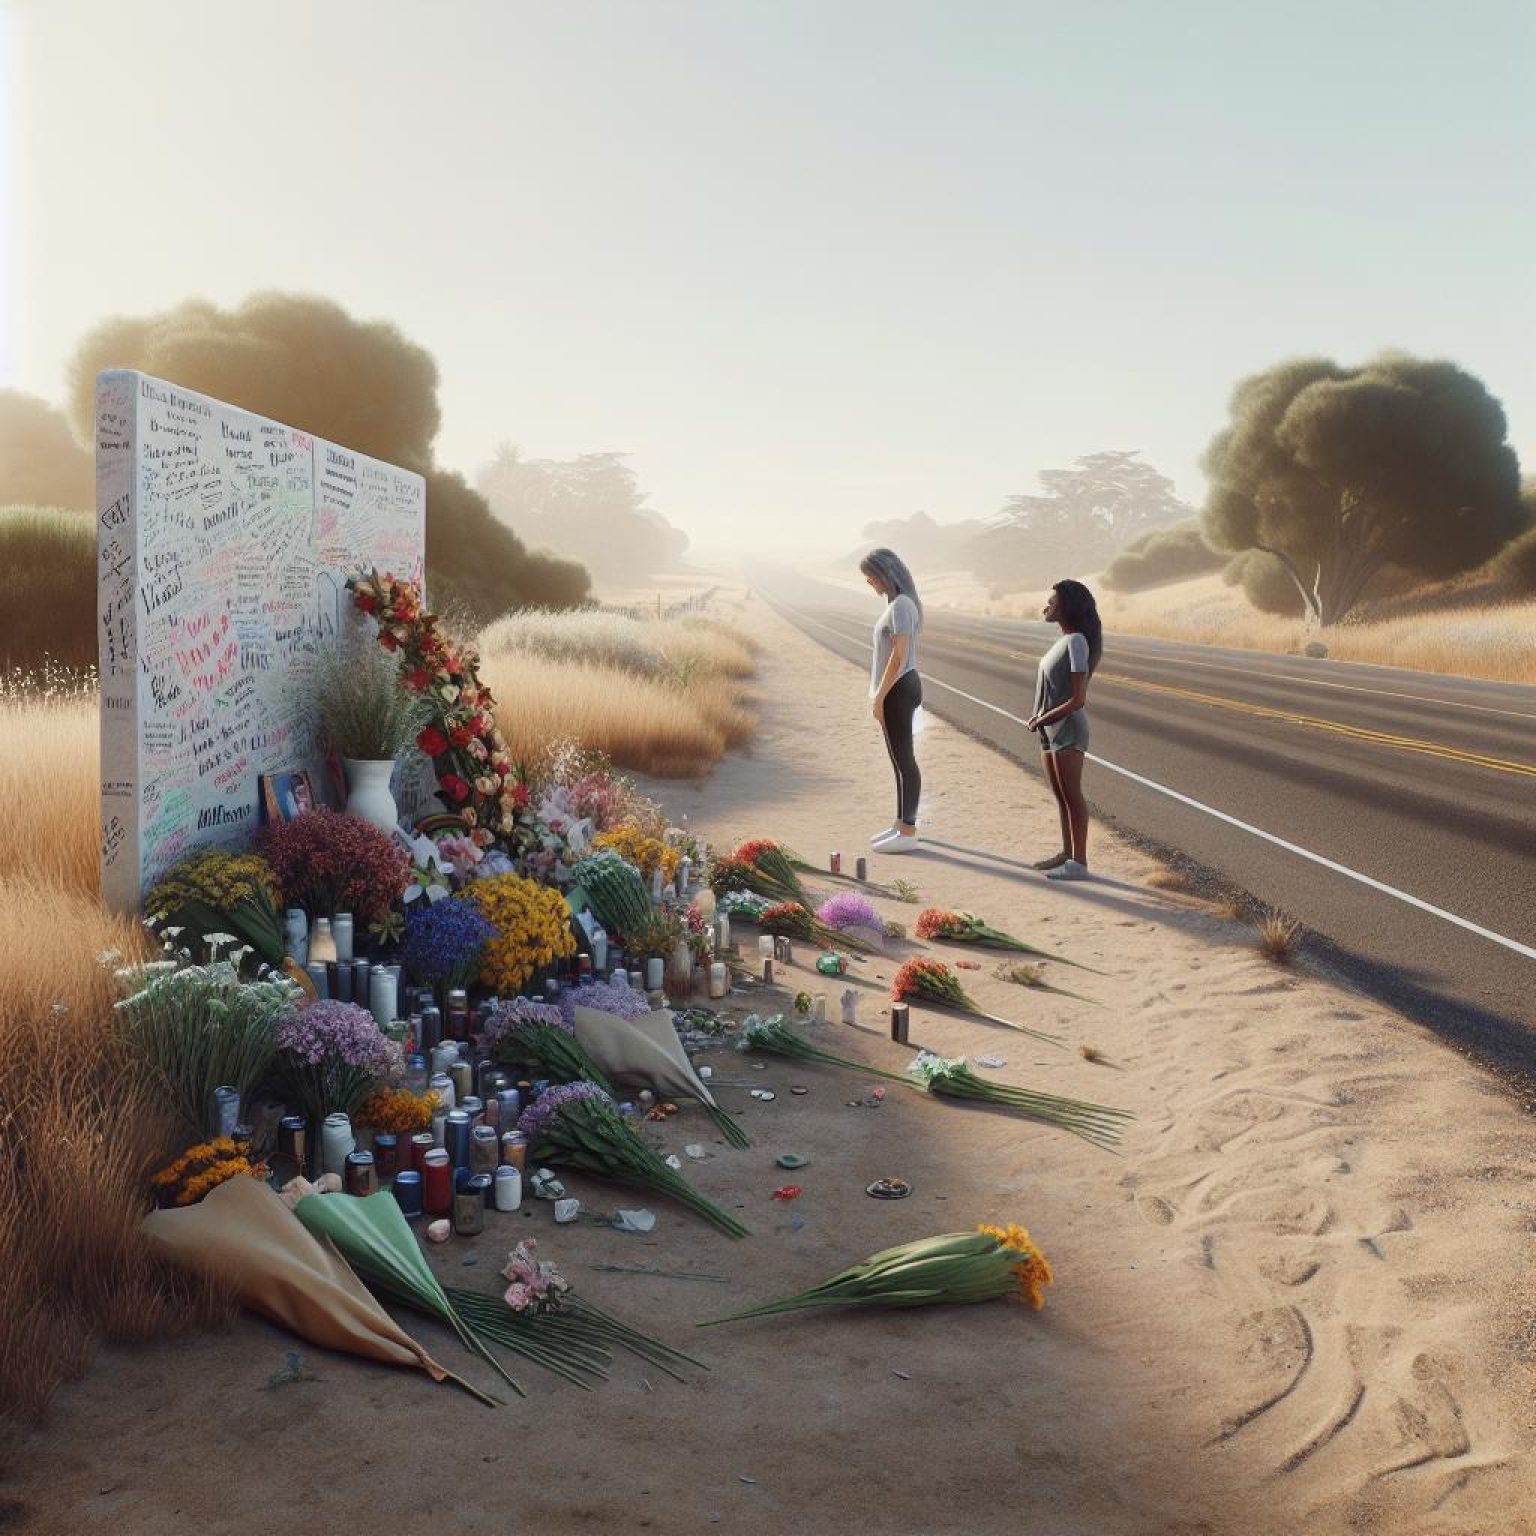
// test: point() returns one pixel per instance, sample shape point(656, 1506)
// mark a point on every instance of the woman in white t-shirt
point(895, 688)
point(1060, 715)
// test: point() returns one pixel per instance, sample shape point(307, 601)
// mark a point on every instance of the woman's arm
point(1079, 700)
point(894, 663)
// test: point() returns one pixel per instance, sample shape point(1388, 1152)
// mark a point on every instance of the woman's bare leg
point(1061, 803)
point(1068, 766)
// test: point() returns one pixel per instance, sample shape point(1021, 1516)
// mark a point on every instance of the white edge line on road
point(1231, 821)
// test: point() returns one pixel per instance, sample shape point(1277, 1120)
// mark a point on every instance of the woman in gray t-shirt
point(1060, 715)
point(895, 688)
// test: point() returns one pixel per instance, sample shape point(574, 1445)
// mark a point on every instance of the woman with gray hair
point(895, 687)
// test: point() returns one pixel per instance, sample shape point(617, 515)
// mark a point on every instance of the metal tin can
point(420, 1144)
point(901, 1017)
point(463, 1076)
point(359, 1178)
point(437, 1183)
point(431, 1027)
point(224, 1113)
point(484, 1150)
point(386, 1154)
point(407, 1192)
point(293, 1139)
point(456, 1137)
point(468, 1207)
point(861, 868)
point(835, 862)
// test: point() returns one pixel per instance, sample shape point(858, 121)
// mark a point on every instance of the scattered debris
point(294, 1369)
point(990, 1061)
point(799, 1090)
point(889, 1189)
point(789, 1192)
point(791, 1160)
point(470, 1258)
point(695, 1150)
point(902, 1374)
point(658, 1274)
point(567, 1210)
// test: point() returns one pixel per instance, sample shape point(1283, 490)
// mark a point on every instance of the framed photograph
point(286, 795)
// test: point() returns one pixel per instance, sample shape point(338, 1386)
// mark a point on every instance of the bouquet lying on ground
point(372, 1235)
point(623, 1002)
point(933, 984)
point(538, 1037)
point(945, 1079)
point(967, 928)
point(983, 1265)
point(204, 1167)
point(763, 866)
point(542, 1319)
point(579, 1126)
point(795, 922)
point(953, 1078)
point(742, 903)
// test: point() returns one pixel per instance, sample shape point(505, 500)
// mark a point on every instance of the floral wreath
point(476, 777)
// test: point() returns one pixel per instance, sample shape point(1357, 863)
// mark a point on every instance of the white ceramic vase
point(368, 794)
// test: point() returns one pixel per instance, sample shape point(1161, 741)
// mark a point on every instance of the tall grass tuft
point(368, 713)
point(49, 559)
point(81, 1131)
point(50, 788)
point(1279, 937)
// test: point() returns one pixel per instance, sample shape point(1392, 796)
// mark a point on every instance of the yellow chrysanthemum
point(1035, 1272)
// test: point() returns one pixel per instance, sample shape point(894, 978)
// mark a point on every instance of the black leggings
point(896, 717)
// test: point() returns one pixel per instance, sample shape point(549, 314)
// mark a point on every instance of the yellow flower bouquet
point(533, 924)
point(632, 842)
point(204, 1167)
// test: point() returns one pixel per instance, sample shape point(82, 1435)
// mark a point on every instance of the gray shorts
point(1066, 735)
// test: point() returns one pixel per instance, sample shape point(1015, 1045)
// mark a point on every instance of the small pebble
point(901, 1374)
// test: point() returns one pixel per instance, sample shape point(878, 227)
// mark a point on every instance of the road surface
point(1392, 812)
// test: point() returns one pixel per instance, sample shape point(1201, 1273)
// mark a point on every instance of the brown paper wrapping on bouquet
point(243, 1233)
point(643, 1052)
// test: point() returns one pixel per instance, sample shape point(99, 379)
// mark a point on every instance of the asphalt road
point(1417, 782)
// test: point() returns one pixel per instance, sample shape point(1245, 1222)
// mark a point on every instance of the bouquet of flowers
point(397, 1110)
point(983, 1265)
point(431, 877)
point(444, 942)
point(776, 1037)
point(541, 1038)
point(954, 1079)
point(329, 863)
point(794, 921)
point(772, 870)
point(614, 890)
point(475, 773)
point(729, 876)
point(605, 997)
point(542, 1318)
point(533, 929)
point(967, 928)
point(330, 1055)
point(850, 909)
point(660, 933)
point(932, 983)
point(216, 890)
point(698, 932)
point(580, 1126)
point(203, 1167)
point(633, 844)
point(742, 903)
point(199, 1028)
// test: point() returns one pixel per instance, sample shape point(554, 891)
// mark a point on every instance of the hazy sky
point(810, 261)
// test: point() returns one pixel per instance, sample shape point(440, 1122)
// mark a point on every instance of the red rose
point(432, 742)
point(520, 796)
point(460, 736)
point(388, 641)
point(367, 604)
point(454, 787)
point(417, 678)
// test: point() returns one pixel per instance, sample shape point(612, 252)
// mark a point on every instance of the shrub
point(1515, 564)
point(1164, 555)
point(49, 558)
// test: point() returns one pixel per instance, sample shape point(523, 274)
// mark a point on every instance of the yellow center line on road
point(1268, 712)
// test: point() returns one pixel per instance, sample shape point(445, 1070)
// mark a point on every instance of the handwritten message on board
point(224, 544)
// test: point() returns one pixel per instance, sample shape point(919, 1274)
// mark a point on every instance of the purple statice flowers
point(505, 1017)
point(443, 941)
point(624, 1002)
point(329, 1033)
point(850, 909)
point(534, 1121)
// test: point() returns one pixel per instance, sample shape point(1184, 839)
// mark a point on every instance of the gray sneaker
point(1069, 870)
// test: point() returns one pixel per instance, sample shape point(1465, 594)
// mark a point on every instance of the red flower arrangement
point(933, 983)
point(328, 863)
point(476, 776)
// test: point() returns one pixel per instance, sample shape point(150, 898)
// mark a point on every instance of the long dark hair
point(1082, 613)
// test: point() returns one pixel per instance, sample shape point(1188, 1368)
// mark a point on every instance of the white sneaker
point(1071, 870)
point(880, 837)
point(899, 844)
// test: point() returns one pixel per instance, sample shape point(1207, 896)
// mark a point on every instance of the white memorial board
point(224, 544)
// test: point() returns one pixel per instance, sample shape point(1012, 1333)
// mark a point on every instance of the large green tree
point(1338, 473)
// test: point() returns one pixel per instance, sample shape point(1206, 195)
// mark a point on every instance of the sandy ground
point(1299, 1301)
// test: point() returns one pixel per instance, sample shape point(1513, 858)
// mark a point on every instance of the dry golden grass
point(1170, 880)
point(76, 1269)
point(675, 721)
point(1232, 907)
point(50, 786)
point(1279, 937)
